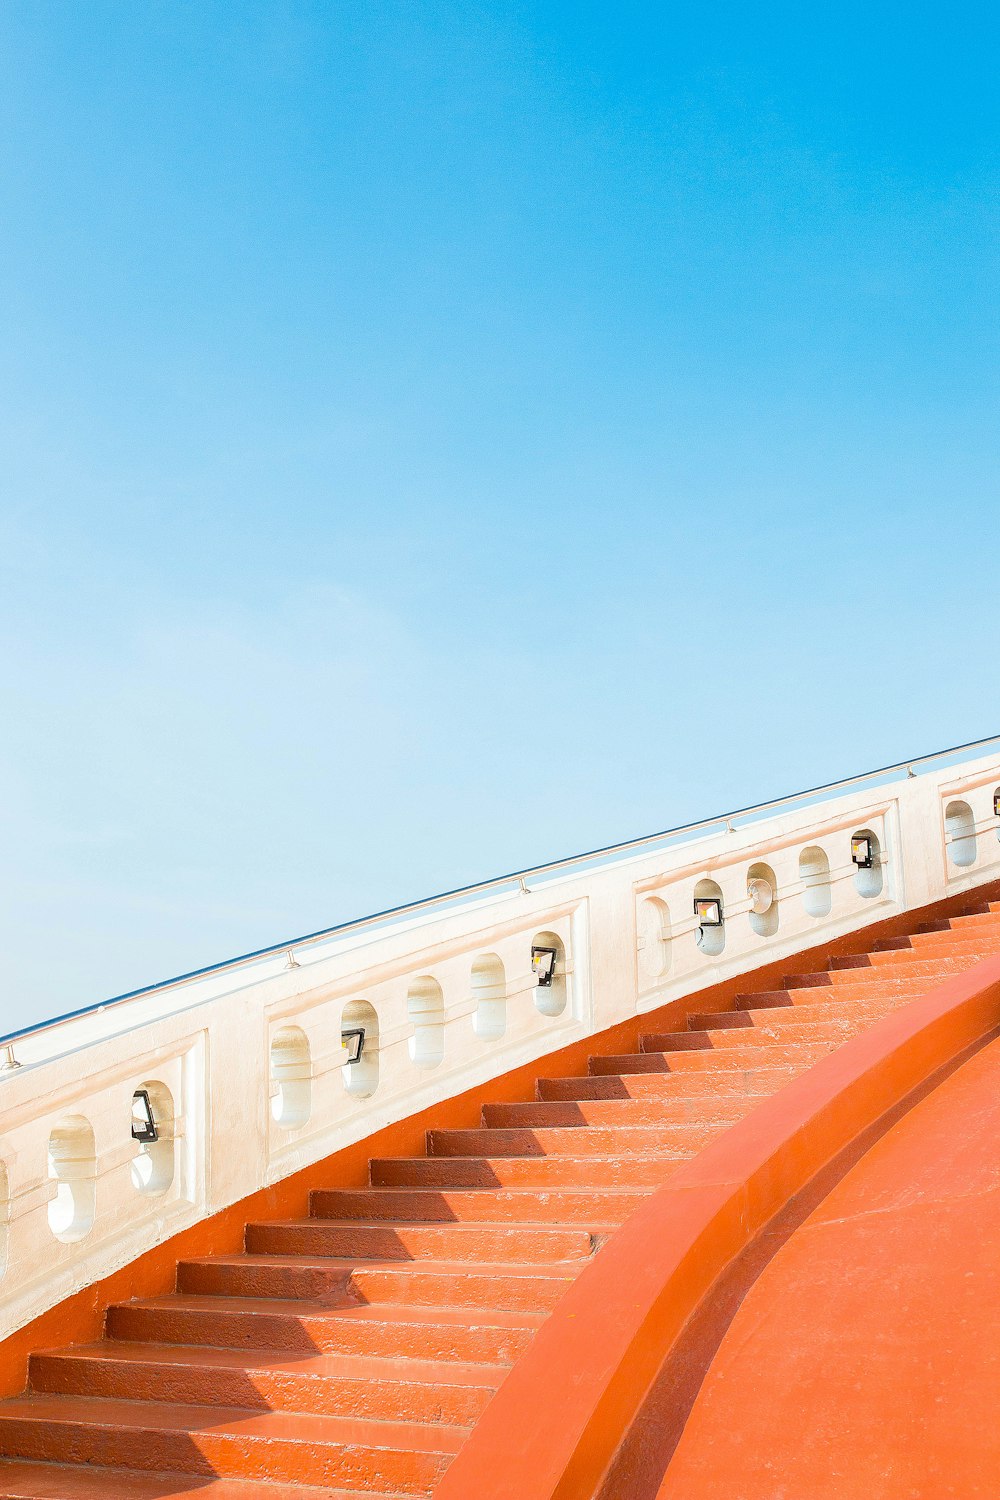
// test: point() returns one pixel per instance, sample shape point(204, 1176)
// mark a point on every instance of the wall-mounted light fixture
point(543, 966)
point(761, 895)
point(996, 804)
point(708, 910)
point(353, 1042)
point(862, 852)
point(143, 1125)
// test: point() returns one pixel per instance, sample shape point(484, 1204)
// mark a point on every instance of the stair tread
point(461, 1225)
point(289, 1426)
point(267, 1391)
point(547, 1268)
point(394, 1368)
point(389, 1312)
point(499, 1191)
point(27, 1479)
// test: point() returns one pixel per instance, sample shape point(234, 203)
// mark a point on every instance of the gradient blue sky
point(436, 437)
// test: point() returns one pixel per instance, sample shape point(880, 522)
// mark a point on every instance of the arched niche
point(814, 873)
point(73, 1168)
point(361, 1078)
point(489, 991)
point(152, 1168)
point(653, 937)
point(960, 834)
point(759, 876)
point(550, 999)
point(425, 1008)
point(869, 882)
point(291, 1077)
point(711, 940)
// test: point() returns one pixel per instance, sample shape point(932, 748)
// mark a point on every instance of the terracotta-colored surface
point(864, 1363)
point(81, 1317)
point(348, 1329)
point(576, 1394)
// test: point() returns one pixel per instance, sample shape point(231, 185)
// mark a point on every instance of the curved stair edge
point(552, 1430)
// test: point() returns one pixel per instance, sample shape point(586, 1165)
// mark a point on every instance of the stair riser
point(705, 1057)
point(918, 977)
point(929, 950)
point(534, 1294)
point(514, 1245)
point(791, 1020)
point(783, 1021)
point(768, 1035)
point(408, 1286)
point(226, 1455)
point(224, 1279)
point(937, 945)
point(697, 1110)
point(689, 1086)
point(578, 1141)
point(979, 922)
point(261, 1390)
point(548, 1173)
point(231, 1330)
point(470, 1207)
point(847, 984)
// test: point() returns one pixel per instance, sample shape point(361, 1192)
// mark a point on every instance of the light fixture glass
point(761, 895)
point(543, 966)
point(143, 1124)
point(708, 910)
point(353, 1042)
point(861, 851)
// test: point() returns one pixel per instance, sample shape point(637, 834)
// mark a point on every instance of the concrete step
point(549, 1172)
point(773, 1032)
point(470, 1206)
point(853, 984)
point(784, 1020)
point(464, 1334)
point(231, 1442)
point(411, 1283)
point(575, 1140)
point(742, 1083)
point(652, 1110)
point(260, 1379)
point(23, 1480)
point(700, 1052)
point(402, 1241)
point(985, 922)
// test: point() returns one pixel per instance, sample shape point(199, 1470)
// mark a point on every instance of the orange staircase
point(351, 1352)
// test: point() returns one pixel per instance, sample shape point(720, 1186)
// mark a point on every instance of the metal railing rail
point(516, 878)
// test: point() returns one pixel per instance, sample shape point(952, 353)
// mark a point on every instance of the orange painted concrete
point(554, 1428)
point(80, 1318)
point(864, 1363)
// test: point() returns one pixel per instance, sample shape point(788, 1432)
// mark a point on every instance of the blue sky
point(438, 437)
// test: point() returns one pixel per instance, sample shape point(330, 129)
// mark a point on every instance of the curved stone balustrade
point(245, 1070)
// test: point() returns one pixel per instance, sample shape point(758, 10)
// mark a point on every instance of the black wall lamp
point(354, 1042)
point(708, 910)
point(143, 1125)
point(996, 804)
point(543, 966)
point(862, 852)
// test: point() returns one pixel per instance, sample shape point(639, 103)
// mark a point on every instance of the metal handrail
point(516, 877)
